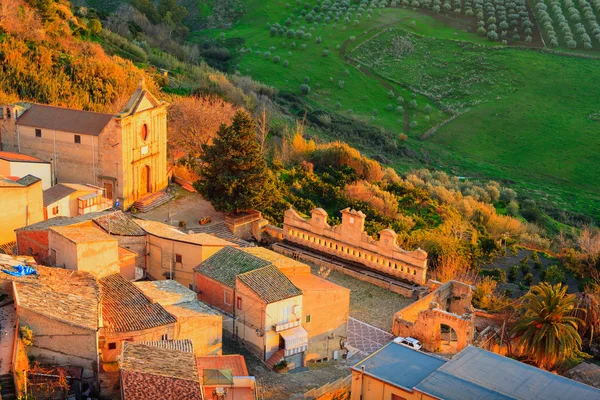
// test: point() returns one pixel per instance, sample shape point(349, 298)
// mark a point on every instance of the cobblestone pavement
point(366, 338)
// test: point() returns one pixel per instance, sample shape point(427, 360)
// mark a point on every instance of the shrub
point(555, 275)
point(512, 273)
point(26, 335)
point(325, 53)
point(286, 63)
point(525, 268)
point(276, 59)
point(389, 107)
point(400, 109)
point(290, 33)
point(528, 279)
point(306, 79)
point(267, 54)
point(427, 109)
point(413, 124)
point(400, 99)
point(318, 39)
point(341, 84)
point(272, 49)
point(304, 89)
point(403, 137)
point(412, 104)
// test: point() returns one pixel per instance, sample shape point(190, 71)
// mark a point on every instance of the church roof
point(64, 119)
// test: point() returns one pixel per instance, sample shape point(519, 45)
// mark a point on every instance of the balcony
point(287, 325)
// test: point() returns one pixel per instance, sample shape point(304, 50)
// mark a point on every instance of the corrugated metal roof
point(475, 373)
point(64, 119)
point(270, 284)
point(400, 365)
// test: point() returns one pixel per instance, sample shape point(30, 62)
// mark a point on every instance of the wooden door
point(145, 180)
point(108, 191)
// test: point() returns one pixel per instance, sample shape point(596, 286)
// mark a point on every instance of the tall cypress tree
point(234, 175)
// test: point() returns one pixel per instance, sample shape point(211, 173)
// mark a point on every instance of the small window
point(55, 210)
point(144, 132)
point(38, 133)
point(308, 318)
point(178, 258)
point(112, 346)
point(227, 298)
point(239, 303)
point(77, 139)
point(164, 337)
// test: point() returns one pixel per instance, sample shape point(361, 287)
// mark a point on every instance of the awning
point(294, 337)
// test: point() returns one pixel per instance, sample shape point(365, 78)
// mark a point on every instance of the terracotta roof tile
point(270, 284)
point(62, 221)
point(228, 263)
point(117, 223)
point(55, 193)
point(234, 362)
point(64, 119)
point(184, 345)
point(156, 372)
point(220, 230)
point(18, 157)
point(83, 233)
point(125, 308)
point(64, 295)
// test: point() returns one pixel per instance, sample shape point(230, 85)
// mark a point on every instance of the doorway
point(145, 183)
point(108, 191)
point(449, 340)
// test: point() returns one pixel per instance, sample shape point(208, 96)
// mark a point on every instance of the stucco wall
point(20, 169)
point(60, 343)
point(19, 207)
point(212, 292)
point(205, 332)
point(365, 387)
point(110, 356)
point(329, 311)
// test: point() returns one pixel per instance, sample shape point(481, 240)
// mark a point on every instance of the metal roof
point(400, 365)
point(475, 373)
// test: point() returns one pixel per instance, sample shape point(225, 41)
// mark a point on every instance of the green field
point(526, 117)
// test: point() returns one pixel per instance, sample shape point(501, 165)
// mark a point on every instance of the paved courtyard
point(366, 338)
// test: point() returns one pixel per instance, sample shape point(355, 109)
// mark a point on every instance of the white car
point(409, 342)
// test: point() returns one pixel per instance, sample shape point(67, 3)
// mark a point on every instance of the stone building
point(443, 320)
point(35, 300)
point(350, 242)
point(125, 154)
point(21, 204)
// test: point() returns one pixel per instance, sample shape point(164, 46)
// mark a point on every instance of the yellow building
point(21, 204)
point(125, 154)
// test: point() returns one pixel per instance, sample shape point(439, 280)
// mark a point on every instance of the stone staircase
point(151, 201)
point(275, 358)
point(8, 391)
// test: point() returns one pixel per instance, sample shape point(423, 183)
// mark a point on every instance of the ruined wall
point(33, 243)
point(450, 305)
point(350, 242)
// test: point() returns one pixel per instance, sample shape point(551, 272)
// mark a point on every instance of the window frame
point(112, 345)
point(225, 295)
point(178, 258)
point(239, 303)
point(38, 132)
point(77, 139)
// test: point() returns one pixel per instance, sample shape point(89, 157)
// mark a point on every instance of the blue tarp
point(21, 270)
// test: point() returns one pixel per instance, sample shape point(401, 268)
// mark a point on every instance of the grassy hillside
point(524, 117)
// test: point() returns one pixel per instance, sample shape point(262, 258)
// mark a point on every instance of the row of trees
point(552, 18)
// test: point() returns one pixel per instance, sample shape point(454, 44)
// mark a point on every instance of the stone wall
point(349, 241)
point(402, 290)
point(450, 305)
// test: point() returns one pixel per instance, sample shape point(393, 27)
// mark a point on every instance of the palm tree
point(547, 330)
point(588, 310)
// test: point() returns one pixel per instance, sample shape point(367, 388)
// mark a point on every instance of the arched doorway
point(145, 181)
point(448, 340)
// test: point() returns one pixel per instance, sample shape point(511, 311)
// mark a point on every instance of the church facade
point(125, 154)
